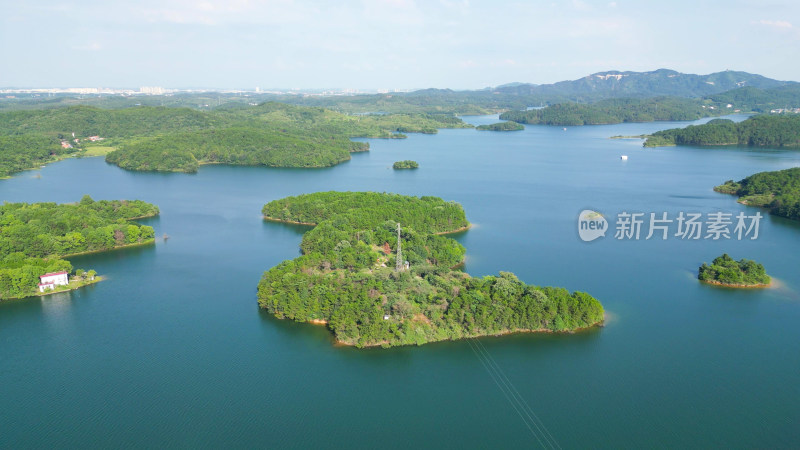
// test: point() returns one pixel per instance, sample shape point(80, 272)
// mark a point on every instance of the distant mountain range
point(742, 90)
point(642, 84)
point(604, 85)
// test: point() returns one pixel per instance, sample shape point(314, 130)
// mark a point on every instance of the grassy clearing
point(97, 150)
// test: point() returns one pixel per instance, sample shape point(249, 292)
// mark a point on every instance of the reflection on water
point(57, 312)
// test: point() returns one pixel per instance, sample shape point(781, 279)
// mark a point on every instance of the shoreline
point(272, 219)
point(146, 216)
point(500, 334)
point(738, 286)
point(464, 228)
point(337, 342)
point(54, 159)
point(97, 279)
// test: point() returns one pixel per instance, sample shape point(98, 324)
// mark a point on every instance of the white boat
point(624, 157)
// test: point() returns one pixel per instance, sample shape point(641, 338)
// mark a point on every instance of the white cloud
point(779, 24)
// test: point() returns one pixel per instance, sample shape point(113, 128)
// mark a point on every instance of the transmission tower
point(399, 263)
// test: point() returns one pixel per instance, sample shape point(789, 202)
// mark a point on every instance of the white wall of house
point(58, 279)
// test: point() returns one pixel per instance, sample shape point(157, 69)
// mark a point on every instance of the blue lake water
point(172, 349)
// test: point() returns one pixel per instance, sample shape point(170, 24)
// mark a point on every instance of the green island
point(181, 139)
point(765, 130)
point(406, 164)
point(778, 191)
point(501, 126)
point(350, 277)
point(36, 237)
point(725, 271)
point(611, 111)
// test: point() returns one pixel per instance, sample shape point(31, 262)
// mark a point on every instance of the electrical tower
point(399, 264)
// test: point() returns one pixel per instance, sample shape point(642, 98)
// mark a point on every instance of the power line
point(526, 407)
point(503, 390)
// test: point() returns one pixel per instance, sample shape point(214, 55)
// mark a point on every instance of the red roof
point(54, 273)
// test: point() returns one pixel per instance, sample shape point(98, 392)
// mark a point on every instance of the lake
point(172, 349)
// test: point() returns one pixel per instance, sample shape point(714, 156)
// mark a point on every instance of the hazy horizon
point(384, 44)
point(311, 89)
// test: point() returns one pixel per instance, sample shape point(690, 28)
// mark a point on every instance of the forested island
point(406, 164)
point(765, 130)
point(501, 126)
point(182, 139)
point(778, 191)
point(349, 276)
point(35, 238)
point(613, 111)
point(725, 271)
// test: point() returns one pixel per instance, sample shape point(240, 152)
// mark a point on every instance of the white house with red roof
point(49, 281)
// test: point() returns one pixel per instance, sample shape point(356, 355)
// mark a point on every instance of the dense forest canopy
point(727, 271)
point(765, 130)
point(87, 121)
point(501, 126)
point(613, 111)
point(183, 152)
point(179, 139)
point(753, 99)
point(24, 152)
point(346, 276)
point(405, 164)
point(35, 237)
point(779, 191)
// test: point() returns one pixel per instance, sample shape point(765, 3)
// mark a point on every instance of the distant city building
point(151, 90)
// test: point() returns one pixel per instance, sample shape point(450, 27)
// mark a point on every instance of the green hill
point(346, 277)
point(779, 191)
point(758, 131)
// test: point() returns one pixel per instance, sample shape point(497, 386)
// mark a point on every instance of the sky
point(384, 44)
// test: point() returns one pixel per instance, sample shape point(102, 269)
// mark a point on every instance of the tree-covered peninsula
point(612, 111)
point(725, 271)
point(766, 130)
point(180, 139)
point(185, 152)
point(405, 164)
point(35, 237)
point(778, 191)
point(350, 276)
point(501, 126)
point(24, 152)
